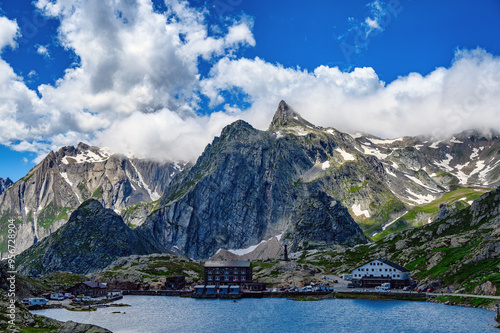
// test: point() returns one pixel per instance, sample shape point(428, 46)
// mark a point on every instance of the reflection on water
point(175, 314)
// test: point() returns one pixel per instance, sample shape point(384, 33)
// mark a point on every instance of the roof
point(227, 263)
point(392, 264)
point(94, 285)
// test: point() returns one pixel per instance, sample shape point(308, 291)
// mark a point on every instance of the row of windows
point(227, 271)
point(227, 278)
point(361, 275)
point(377, 269)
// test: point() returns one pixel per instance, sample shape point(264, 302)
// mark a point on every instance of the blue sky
point(161, 79)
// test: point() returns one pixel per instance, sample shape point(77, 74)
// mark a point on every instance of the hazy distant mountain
point(42, 201)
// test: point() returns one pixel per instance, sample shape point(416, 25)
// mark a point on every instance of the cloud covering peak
point(137, 85)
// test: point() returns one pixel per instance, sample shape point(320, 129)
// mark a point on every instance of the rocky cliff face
point(5, 184)
point(91, 239)
point(247, 186)
point(42, 201)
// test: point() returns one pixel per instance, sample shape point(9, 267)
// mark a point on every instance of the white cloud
point(134, 63)
point(43, 50)
point(445, 101)
point(9, 30)
point(361, 32)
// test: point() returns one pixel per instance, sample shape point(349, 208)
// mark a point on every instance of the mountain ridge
point(92, 238)
point(42, 201)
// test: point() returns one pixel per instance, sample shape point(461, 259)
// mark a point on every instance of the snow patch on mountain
point(475, 152)
point(419, 199)
point(389, 172)
point(434, 145)
point(250, 249)
point(385, 141)
point(419, 182)
point(65, 177)
point(387, 225)
point(356, 209)
point(374, 152)
point(300, 131)
point(153, 195)
point(330, 131)
point(455, 140)
point(445, 164)
point(102, 155)
point(345, 155)
point(325, 165)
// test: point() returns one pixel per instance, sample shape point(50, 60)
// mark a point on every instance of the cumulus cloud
point(9, 31)
point(134, 64)
point(445, 101)
point(43, 50)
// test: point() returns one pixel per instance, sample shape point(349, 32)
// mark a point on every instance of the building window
point(217, 278)
point(209, 278)
point(243, 278)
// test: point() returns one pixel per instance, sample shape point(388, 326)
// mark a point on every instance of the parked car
point(307, 289)
point(407, 288)
point(25, 301)
point(87, 299)
point(350, 286)
point(430, 290)
point(37, 301)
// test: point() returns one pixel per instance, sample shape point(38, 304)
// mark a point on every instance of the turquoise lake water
point(176, 314)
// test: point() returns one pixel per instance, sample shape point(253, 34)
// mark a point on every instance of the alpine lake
point(155, 314)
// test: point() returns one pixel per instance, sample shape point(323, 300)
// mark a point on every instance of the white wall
point(378, 269)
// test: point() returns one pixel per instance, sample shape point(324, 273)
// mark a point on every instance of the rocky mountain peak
point(82, 153)
point(285, 116)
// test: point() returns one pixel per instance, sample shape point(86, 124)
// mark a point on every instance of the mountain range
point(42, 201)
point(294, 182)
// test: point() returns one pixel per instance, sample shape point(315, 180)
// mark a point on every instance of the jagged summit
point(285, 116)
point(82, 153)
